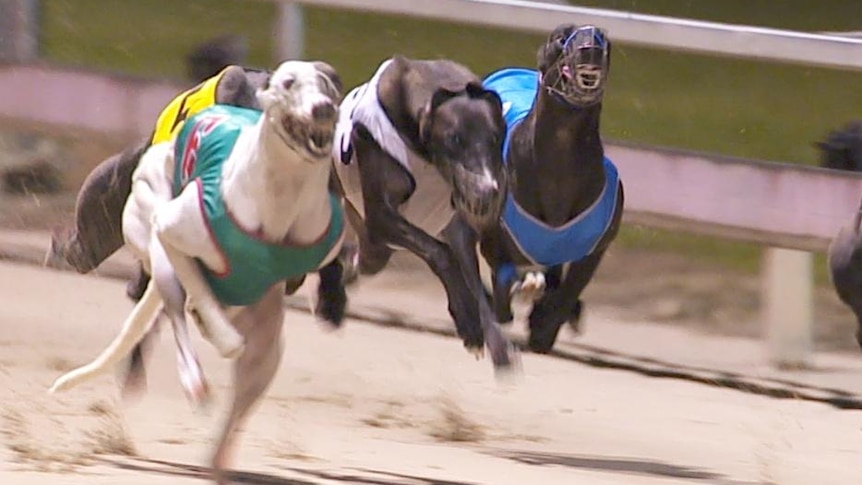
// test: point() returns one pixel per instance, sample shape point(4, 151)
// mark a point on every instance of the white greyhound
point(234, 206)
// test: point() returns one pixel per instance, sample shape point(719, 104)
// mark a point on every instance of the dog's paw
point(477, 352)
point(530, 288)
point(350, 264)
point(195, 386)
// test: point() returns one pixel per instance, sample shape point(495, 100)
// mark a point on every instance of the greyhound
point(224, 214)
point(565, 203)
point(844, 258)
point(842, 150)
point(418, 161)
point(97, 229)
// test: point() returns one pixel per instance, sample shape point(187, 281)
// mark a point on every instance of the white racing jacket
point(430, 205)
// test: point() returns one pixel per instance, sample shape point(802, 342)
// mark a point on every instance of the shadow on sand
point(632, 466)
point(364, 477)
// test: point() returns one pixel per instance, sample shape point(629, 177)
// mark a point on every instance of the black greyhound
point(418, 155)
point(565, 199)
point(844, 259)
point(842, 150)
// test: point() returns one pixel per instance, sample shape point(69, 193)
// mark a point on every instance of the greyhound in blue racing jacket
point(565, 200)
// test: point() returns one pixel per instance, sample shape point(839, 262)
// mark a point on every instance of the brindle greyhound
point(565, 201)
point(418, 156)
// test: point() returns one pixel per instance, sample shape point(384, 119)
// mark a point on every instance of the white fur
point(270, 181)
point(530, 288)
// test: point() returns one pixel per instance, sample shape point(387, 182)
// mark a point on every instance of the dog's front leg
point(563, 304)
point(462, 239)
point(560, 305)
point(385, 185)
point(184, 235)
point(331, 295)
point(503, 273)
point(463, 306)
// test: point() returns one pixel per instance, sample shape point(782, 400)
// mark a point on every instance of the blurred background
point(741, 108)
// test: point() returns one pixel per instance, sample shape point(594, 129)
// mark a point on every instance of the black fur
point(445, 115)
point(556, 172)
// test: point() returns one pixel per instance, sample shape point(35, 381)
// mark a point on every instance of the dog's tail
point(135, 327)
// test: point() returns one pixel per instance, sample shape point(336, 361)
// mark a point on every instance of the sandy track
point(382, 406)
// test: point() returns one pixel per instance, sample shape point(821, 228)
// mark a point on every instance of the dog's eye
point(455, 140)
point(288, 83)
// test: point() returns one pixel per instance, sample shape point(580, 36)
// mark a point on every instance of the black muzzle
point(579, 75)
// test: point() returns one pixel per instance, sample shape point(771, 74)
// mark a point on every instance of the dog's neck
point(566, 130)
point(272, 191)
point(558, 159)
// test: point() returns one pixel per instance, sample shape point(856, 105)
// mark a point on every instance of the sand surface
point(369, 405)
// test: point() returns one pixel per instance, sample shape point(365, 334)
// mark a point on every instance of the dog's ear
point(426, 113)
point(475, 89)
point(267, 97)
point(331, 74)
point(553, 46)
point(443, 94)
point(546, 55)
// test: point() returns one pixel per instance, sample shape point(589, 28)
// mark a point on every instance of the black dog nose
point(323, 112)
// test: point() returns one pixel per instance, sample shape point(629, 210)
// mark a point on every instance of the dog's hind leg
point(254, 370)
point(150, 188)
point(183, 234)
point(174, 296)
point(215, 326)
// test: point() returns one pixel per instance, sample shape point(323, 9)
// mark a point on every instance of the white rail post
point(19, 39)
point(788, 307)
point(289, 31)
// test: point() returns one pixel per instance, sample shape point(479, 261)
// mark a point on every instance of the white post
point(19, 25)
point(788, 307)
point(289, 31)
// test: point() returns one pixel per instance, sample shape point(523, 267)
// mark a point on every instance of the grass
point(730, 106)
point(829, 15)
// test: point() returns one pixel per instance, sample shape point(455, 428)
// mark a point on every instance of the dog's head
point(462, 130)
point(842, 148)
point(301, 102)
point(574, 63)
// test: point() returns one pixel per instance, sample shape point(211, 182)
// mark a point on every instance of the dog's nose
point(323, 112)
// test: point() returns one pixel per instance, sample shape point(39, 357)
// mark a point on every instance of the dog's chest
point(536, 242)
point(253, 264)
